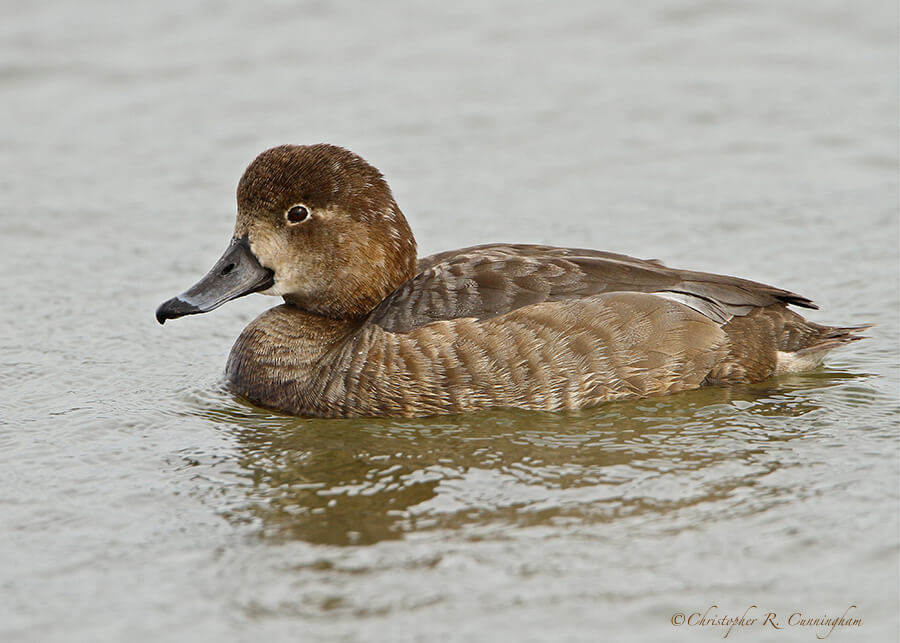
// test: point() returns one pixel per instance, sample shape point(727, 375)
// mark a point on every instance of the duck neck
point(274, 360)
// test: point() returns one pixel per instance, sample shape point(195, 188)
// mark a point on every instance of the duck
point(368, 329)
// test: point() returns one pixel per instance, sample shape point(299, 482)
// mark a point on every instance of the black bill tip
point(175, 308)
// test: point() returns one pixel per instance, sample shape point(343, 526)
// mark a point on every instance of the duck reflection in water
point(363, 481)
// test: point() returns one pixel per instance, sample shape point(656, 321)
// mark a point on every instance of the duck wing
point(488, 280)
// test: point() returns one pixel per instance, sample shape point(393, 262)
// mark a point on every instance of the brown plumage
point(367, 330)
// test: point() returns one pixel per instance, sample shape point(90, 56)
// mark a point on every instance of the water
point(142, 502)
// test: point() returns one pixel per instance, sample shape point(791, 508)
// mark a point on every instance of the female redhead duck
point(367, 330)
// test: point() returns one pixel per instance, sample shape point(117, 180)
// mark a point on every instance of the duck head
point(316, 225)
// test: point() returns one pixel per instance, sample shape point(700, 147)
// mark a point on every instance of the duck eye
point(297, 214)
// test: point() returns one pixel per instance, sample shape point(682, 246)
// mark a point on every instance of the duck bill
point(236, 274)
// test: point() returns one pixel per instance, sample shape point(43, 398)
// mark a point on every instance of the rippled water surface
point(139, 501)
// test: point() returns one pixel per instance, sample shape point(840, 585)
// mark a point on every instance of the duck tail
point(810, 355)
point(774, 340)
point(795, 357)
point(834, 336)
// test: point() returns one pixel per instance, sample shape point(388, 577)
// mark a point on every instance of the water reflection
point(347, 482)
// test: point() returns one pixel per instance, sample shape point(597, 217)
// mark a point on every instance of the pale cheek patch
point(268, 250)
